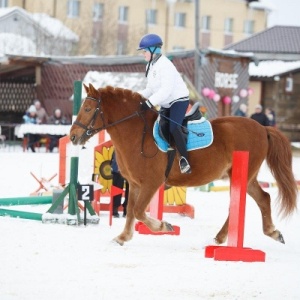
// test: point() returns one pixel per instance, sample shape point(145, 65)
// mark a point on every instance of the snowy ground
point(52, 261)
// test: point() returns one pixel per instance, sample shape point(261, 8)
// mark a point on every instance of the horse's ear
point(86, 88)
point(92, 89)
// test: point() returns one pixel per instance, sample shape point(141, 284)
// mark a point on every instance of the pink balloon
point(243, 93)
point(226, 100)
point(216, 97)
point(205, 92)
point(250, 91)
point(211, 94)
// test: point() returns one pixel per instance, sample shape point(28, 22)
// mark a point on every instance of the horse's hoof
point(280, 238)
point(216, 241)
point(169, 227)
point(118, 241)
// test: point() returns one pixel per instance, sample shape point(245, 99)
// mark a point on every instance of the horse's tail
point(279, 160)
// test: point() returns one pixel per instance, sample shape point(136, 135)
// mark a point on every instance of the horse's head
point(102, 109)
point(83, 127)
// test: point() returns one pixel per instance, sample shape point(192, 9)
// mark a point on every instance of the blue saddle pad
point(200, 135)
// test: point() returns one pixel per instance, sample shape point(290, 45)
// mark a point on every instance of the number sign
point(85, 192)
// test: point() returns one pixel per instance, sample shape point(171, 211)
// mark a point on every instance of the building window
point(249, 26)
point(151, 15)
point(3, 3)
point(120, 48)
point(73, 8)
point(228, 26)
point(289, 84)
point(206, 20)
point(123, 14)
point(180, 19)
point(98, 11)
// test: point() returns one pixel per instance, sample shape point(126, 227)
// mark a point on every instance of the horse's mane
point(117, 93)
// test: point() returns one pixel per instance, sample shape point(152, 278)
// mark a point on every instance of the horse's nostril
point(72, 137)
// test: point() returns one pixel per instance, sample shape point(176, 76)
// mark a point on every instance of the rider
point(166, 88)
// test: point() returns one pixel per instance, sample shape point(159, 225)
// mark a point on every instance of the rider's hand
point(146, 105)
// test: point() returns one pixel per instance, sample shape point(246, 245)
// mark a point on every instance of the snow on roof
point(23, 46)
point(6, 10)
point(230, 52)
point(263, 5)
point(51, 25)
point(271, 68)
point(132, 81)
point(55, 27)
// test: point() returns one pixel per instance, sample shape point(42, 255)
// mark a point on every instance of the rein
point(90, 130)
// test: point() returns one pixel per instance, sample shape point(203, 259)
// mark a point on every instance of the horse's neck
point(132, 135)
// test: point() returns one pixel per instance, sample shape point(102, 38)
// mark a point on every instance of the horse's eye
point(87, 109)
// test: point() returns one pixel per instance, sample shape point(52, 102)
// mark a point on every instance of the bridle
point(90, 130)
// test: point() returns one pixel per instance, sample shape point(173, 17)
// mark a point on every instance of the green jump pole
point(21, 214)
point(73, 206)
point(71, 189)
point(26, 200)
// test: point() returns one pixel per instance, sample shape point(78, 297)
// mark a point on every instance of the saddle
point(193, 115)
point(196, 129)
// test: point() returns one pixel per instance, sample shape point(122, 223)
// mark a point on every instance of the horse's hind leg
point(263, 201)
point(223, 233)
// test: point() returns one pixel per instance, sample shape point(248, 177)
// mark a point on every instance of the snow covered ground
point(53, 261)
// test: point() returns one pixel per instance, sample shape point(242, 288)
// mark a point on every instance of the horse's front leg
point(128, 230)
point(143, 200)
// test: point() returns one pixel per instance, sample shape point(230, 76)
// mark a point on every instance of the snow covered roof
point(132, 81)
point(52, 26)
point(229, 53)
point(135, 81)
point(265, 5)
point(8, 44)
point(271, 68)
point(55, 27)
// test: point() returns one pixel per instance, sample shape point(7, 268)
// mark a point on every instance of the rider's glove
point(146, 105)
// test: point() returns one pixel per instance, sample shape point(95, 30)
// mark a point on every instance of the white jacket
point(165, 85)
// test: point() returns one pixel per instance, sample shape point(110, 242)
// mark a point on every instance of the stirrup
point(184, 166)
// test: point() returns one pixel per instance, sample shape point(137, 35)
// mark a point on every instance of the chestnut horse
point(118, 111)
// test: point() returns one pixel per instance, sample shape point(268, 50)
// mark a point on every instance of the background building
point(27, 33)
point(114, 27)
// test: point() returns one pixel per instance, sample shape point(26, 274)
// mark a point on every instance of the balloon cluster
point(211, 94)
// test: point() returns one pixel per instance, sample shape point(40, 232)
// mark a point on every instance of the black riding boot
point(181, 147)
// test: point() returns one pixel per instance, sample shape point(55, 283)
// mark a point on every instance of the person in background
point(118, 181)
point(242, 111)
point(30, 117)
point(165, 88)
point(260, 116)
point(57, 119)
point(42, 116)
point(271, 116)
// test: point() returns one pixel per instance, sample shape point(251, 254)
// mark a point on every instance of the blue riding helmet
point(150, 40)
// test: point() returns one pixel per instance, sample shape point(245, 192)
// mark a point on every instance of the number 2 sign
point(85, 192)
